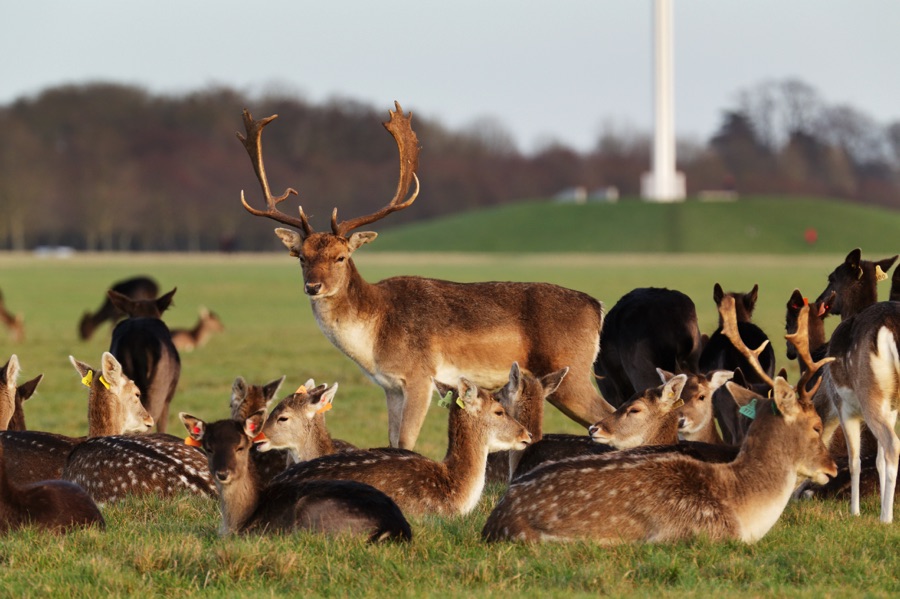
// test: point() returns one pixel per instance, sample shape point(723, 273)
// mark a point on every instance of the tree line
point(104, 166)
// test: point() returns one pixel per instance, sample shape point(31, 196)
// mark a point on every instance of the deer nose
point(313, 288)
point(593, 429)
point(682, 422)
point(222, 476)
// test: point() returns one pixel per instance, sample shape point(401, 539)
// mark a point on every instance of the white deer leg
point(851, 426)
point(886, 462)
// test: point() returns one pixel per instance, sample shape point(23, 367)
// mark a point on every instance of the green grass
point(767, 225)
point(164, 548)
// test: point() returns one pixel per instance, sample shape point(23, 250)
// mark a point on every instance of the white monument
point(663, 183)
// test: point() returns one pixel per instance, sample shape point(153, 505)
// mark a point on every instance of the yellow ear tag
point(880, 275)
point(86, 379)
point(678, 404)
point(325, 408)
point(461, 403)
point(192, 442)
point(103, 382)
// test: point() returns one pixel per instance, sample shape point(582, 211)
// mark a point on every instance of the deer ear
point(853, 258)
point(718, 378)
point(26, 390)
point(468, 394)
point(356, 240)
point(741, 395)
point(195, 427)
point(80, 367)
point(254, 424)
point(238, 393)
point(271, 388)
point(796, 301)
point(515, 379)
point(664, 375)
point(785, 397)
point(751, 297)
point(112, 370)
point(324, 403)
point(165, 301)
point(11, 369)
point(443, 388)
point(291, 240)
point(718, 293)
point(671, 394)
point(551, 382)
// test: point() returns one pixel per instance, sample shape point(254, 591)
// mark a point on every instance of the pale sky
point(545, 69)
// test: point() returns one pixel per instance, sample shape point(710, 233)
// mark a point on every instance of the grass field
point(166, 548)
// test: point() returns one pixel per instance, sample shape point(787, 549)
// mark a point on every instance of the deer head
point(325, 257)
point(141, 308)
point(745, 303)
point(816, 325)
point(854, 283)
point(247, 399)
point(114, 401)
point(297, 423)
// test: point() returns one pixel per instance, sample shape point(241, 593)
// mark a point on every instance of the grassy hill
point(769, 225)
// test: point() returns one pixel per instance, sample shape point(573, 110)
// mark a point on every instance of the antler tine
point(800, 339)
point(730, 330)
point(408, 145)
point(253, 144)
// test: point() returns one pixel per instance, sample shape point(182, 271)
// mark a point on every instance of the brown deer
point(190, 339)
point(697, 420)
point(405, 332)
point(52, 504)
point(246, 400)
point(648, 328)
point(862, 383)
point(330, 506)
point(14, 322)
point(143, 345)
point(137, 288)
point(680, 497)
point(854, 284)
point(297, 424)
point(12, 394)
point(113, 407)
point(478, 425)
point(523, 399)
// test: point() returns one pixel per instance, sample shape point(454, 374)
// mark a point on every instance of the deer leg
point(851, 426)
point(886, 462)
point(415, 407)
point(394, 398)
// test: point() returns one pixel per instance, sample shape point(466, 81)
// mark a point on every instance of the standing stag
point(137, 288)
point(143, 345)
point(406, 331)
point(622, 497)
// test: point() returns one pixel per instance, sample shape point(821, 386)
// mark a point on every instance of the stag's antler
point(253, 144)
point(730, 330)
point(800, 339)
point(408, 145)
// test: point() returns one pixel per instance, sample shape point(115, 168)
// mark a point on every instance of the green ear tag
point(444, 401)
point(749, 410)
point(775, 408)
point(461, 403)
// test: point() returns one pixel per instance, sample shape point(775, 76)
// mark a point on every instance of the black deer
point(137, 288)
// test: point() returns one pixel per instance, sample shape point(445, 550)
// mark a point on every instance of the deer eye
point(283, 419)
point(634, 410)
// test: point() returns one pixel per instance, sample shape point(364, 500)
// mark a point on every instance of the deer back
point(477, 425)
point(143, 344)
point(52, 504)
point(581, 497)
point(331, 507)
point(854, 283)
point(648, 328)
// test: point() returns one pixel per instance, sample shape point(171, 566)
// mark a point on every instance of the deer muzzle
point(312, 288)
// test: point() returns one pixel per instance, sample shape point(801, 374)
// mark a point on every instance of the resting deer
point(53, 504)
point(478, 424)
point(648, 328)
point(189, 339)
point(523, 399)
point(404, 332)
point(246, 400)
point(137, 288)
point(12, 394)
point(297, 425)
point(581, 498)
point(143, 344)
point(114, 410)
point(333, 507)
point(14, 322)
point(862, 382)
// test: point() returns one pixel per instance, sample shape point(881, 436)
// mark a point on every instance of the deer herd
point(685, 434)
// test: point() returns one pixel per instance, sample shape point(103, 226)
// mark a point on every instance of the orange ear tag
point(301, 389)
point(325, 408)
point(192, 442)
point(260, 438)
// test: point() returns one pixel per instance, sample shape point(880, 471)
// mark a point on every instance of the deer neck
point(667, 433)
point(349, 318)
point(706, 434)
point(105, 416)
point(238, 500)
point(762, 479)
point(317, 442)
point(466, 460)
point(861, 297)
